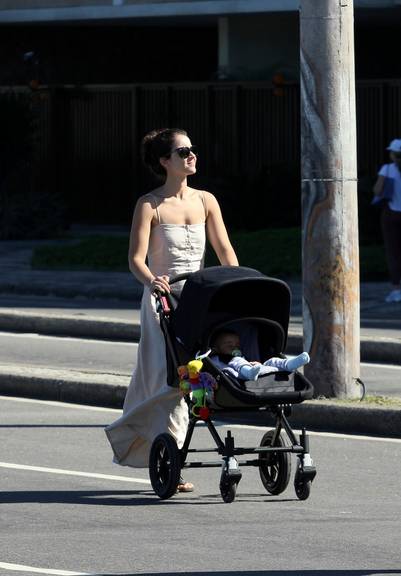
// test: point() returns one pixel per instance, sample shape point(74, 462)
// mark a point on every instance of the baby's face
point(227, 343)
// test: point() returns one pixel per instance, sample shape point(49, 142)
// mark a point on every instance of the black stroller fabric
point(247, 301)
point(216, 295)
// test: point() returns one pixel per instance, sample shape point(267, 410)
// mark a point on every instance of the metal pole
point(329, 197)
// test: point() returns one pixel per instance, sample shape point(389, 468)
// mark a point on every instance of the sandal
point(184, 486)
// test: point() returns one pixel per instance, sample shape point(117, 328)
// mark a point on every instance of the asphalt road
point(120, 357)
point(66, 509)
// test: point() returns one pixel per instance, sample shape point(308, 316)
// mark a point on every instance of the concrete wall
point(256, 47)
point(54, 10)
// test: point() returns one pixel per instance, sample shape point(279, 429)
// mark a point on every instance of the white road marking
point(216, 422)
point(65, 338)
point(372, 365)
point(311, 433)
point(73, 473)
point(33, 570)
point(60, 404)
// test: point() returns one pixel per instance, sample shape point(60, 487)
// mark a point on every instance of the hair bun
point(157, 144)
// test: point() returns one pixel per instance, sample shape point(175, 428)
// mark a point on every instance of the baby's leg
point(289, 364)
point(249, 371)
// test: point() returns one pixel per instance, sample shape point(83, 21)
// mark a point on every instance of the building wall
point(261, 46)
point(47, 10)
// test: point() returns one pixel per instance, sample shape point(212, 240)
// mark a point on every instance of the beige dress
point(151, 406)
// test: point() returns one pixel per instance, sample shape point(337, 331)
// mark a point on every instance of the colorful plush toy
point(201, 384)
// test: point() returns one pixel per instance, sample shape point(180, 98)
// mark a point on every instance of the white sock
point(289, 364)
point(250, 372)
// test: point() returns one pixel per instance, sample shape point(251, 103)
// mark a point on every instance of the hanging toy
point(200, 384)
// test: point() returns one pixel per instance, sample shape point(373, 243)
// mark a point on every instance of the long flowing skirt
point(151, 406)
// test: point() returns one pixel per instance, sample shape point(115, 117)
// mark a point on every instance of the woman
point(168, 237)
point(391, 218)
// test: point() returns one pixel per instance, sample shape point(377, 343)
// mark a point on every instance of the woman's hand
point(161, 283)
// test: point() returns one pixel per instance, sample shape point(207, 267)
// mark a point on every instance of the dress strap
point(155, 206)
point(202, 196)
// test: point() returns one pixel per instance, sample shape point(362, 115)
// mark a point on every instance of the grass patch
point(275, 252)
point(93, 253)
point(369, 400)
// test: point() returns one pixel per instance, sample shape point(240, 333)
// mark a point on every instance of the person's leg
point(289, 364)
point(391, 230)
point(396, 226)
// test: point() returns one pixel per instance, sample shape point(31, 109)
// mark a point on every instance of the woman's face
point(182, 160)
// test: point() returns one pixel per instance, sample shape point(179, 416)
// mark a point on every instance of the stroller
point(258, 308)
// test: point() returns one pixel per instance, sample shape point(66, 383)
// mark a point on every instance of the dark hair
point(158, 144)
point(217, 335)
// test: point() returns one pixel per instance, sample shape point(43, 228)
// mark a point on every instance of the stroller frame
point(272, 456)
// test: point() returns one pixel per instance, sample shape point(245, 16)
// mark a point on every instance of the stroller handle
point(166, 300)
point(180, 277)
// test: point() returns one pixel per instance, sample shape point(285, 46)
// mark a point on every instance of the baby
point(226, 354)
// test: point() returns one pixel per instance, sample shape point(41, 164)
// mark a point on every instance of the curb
point(379, 349)
point(127, 289)
point(96, 389)
point(326, 416)
point(109, 390)
point(69, 325)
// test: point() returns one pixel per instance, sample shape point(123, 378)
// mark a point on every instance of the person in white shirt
point(391, 217)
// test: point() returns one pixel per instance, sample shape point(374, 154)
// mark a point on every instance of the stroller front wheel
point(228, 489)
point(302, 489)
point(164, 466)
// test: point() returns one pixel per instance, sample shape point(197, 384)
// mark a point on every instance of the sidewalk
point(73, 304)
point(63, 292)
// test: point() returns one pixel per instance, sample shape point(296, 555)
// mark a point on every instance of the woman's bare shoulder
point(149, 199)
point(145, 207)
point(210, 199)
point(207, 195)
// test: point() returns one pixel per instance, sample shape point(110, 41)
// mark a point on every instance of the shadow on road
point(123, 498)
point(53, 425)
point(371, 572)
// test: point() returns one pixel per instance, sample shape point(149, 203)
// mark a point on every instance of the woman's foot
point(184, 486)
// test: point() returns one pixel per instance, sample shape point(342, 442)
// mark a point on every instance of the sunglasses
point(185, 151)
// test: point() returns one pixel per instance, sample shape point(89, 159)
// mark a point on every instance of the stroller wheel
point(302, 484)
point(228, 490)
point(164, 466)
point(274, 467)
point(302, 489)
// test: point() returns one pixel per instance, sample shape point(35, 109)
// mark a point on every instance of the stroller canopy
point(219, 294)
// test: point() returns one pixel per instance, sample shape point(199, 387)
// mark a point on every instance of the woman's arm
point(138, 247)
point(378, 187)
point(217, 233)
